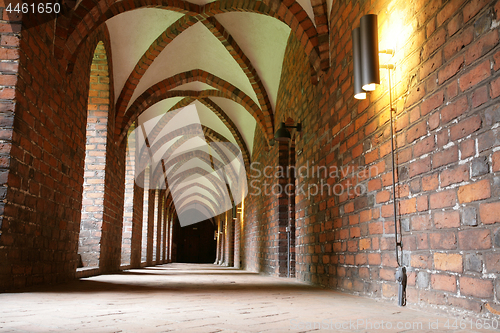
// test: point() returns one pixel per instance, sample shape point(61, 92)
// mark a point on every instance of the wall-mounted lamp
point(282, 134)
point(359, 93)
point(365, 56)
point(366, 77)
point(370, 72)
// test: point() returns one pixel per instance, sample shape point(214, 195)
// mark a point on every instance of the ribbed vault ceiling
point(236, 59)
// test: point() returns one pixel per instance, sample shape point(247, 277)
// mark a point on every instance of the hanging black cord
point(397, 243)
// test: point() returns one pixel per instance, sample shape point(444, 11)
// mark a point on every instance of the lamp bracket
point(387, 51)
point(298, 127)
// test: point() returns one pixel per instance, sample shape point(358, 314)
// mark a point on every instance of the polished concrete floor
point(204, 298)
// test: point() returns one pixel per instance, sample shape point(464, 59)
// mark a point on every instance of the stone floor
point(205, 298)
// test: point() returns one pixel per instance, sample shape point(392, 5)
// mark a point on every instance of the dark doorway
point(196, 243)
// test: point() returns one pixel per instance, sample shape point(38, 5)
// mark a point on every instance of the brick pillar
point(230, 239)
point(169, 240)
point(171, 236)
point(291, 211)
point(128, 206)
point(159, 223)
point(237, 231)
point(282, 212)
point(220, 240)
point(145, 219)
point(151, 226)
point(165, 232)
point(136, 251)
point(175, 234)
point(91, 225)
point(217, 229)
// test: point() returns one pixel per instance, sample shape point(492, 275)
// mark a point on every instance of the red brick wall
point(9, 67)
point(447, 123)
point(41, 219)
point(261, 243)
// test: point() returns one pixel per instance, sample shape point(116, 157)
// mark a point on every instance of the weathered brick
point(424, 146)
point(431, 65)
point(474, 192)
point(454, 110)
point(465, 303)
point(458, 43)
point(443, 241)
point(467, 148)
point(407, 206)
point(493, 262)
point(495, 88)
point(445, 157)
point(421, 222)
point(420, 166)
point(446, 219)
point(421, 261)
point(443, 199)
point(465, 127)
point(416, 132)
point(476, 287)
point(437, 40)
point(475, 75)
point(490, 212)
point(448, 11)
point(444, 282)
point(479, 96)
point(451, 262)
point(430, 183)
point(495, 157)
point(450, 70)
point(472, 239)
point(472, 8)
point(454, 175)
point(482, 46)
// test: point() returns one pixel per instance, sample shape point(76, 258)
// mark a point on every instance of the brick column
point(165, 232)
point(128, 206)
point(145, 219)
point(151, 223)
point(291, 211)
point(282, 212)
point(159, 224)
point(136, 251)
point(230, 239)
point(91, 225)
point(237, 239)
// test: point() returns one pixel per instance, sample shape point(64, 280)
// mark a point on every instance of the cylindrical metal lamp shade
point(359, 93)
point(370, 74)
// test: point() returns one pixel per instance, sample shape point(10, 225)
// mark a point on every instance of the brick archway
point(88, 15)
point(163, 90)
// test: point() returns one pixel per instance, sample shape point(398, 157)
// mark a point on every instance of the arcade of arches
point(140, 133)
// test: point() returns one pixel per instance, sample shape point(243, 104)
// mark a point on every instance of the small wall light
point(370, 72)
point(282, 134)
point(365, 56)
point(359, 93)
